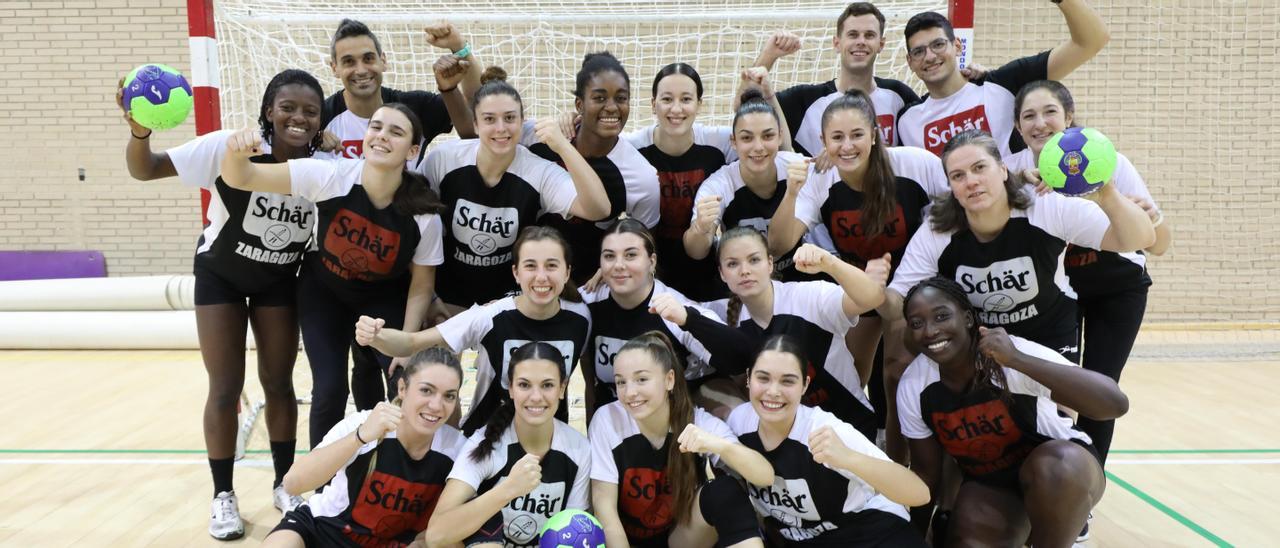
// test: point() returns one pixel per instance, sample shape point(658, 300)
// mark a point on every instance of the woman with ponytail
point(405, 444)
point(522, 468)
point(378, 238)
point(990, 401)
point(832, 487)
point(548, 309)
point(495, 187)
point(649, 449)
point(817, 313)
point(630, 302)
point(871, 203)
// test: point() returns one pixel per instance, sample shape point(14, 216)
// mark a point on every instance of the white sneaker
point(224, 519)
point(283, 500)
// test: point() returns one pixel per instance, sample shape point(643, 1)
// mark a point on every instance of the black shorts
point(1010, 478)
point(313, 532)
point(868, 528)
point(214, 289)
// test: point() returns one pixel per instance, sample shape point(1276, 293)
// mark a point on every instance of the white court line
point(1193, 461)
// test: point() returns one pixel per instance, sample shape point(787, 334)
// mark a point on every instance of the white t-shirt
point(566, 470)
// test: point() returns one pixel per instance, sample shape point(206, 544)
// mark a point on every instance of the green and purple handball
point(157, 96)
point(1077, 161)
point(572, 529)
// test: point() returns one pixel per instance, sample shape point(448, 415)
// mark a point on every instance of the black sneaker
point(1084, 532)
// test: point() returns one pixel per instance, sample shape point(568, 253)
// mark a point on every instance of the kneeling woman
point(987, 399)
point(831, 485)
point(648, 479)
point(523, 468)
point(407, 449)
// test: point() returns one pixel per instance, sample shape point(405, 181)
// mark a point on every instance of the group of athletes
point(853, 317)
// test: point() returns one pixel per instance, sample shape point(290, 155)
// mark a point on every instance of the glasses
point(937, 46)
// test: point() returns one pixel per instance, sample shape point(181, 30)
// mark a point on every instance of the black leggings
point(1110, 326)
point(328, 328)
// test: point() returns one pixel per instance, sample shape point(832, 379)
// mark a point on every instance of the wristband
point(358, 438)
point(464, 52)
point(135, 136)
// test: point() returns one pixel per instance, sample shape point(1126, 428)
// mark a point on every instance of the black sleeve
point(795, 101)
point(431, 110)
point(904, 91)
point(731, 350)
point(333, 106)
point(1020, 72)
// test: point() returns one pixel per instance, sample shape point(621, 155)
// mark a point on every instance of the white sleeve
point(809, 201)
point(1020, 383)
point(436, 166)
point(827, 300)
point(717, 184)
point(922, 167)
point(1075, 220)
point(909, 418)
point(644, 205)
point(320, 180)
point(469, 471)
point(430, 250)
point(1129, 182)
point(580, 494)
point(919, 261)
point(715, 427)
point(199, 161)
point(343, 429)
point(466, 328)
point(554, 183)
point(603, 437)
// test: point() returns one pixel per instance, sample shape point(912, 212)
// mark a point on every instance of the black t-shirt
point(364, 252)
point(804, 104)
point(680, 177)
point(482, 222)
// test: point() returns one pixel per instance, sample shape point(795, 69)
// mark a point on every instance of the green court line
point(1215, 539)
point(1191, 451)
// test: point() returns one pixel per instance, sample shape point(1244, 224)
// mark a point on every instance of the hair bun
point(751, 94)
point(493, 73)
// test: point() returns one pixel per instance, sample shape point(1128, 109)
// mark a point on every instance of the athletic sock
point(222, 473)
point(282, 459)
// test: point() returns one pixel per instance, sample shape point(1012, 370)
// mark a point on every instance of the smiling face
point(498, 123)
point(859, 42)
point(642, 385)
point(676, 104)
point(1042, 115)
point(977, 178)
point(541, 270)
point(357, 63)
point(428, 398)
point(932, 67)
point(626, 263)
point(775, 385)
point(745, 266)
point(389, 140)
point(605, 104)
point(295, 115)
point(938, 326)
point(848, 136)
point(536, 389)
point(756, 138)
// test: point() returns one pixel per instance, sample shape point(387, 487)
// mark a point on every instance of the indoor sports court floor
point(103, 448)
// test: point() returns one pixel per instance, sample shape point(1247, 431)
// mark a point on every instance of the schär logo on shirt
point(938, 132)
point(484, 229)
point(606, 349)
point(525, 515)
point(388, 505)
point(885, 121)
point(510, 345)
point(1001, 286)
point(787, 500)
point(360, 245)
point(353, 149)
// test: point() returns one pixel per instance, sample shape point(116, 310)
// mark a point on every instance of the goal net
point(541, 43)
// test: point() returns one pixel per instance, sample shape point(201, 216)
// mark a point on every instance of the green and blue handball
point(1077, 161)
point(572, 529)
point(157, 96)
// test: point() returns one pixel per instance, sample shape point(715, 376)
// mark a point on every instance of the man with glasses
point(858, 40)
point(954, 104)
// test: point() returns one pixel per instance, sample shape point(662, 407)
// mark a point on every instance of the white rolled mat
point(169, 292)
point(101, 330)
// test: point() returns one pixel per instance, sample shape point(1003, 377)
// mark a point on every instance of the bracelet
point(1159, 219)
point(464, 52)
point(135, 136)
point(358, 438)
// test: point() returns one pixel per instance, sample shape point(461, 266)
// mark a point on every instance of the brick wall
point(1186, 88)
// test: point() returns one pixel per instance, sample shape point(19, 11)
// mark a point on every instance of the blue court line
point(1215, 539)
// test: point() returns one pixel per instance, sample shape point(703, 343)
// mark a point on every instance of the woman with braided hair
point(990, 401)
